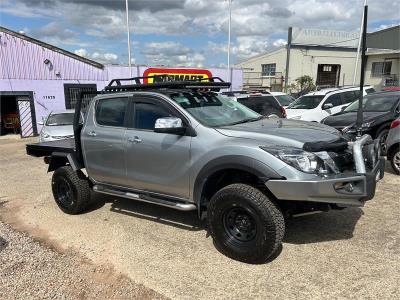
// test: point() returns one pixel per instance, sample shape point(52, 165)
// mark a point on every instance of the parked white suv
point(317, 105)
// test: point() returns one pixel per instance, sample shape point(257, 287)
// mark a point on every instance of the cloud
point(171, 54)
point(81, 52)
point(245, 46)
point(105, 58)
point(279, 43)
point(56, 34)
point(257, 25)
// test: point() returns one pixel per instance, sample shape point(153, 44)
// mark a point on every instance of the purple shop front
point(37, 78)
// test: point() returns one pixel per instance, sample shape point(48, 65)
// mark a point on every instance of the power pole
point(362, 75)
point(289, 43)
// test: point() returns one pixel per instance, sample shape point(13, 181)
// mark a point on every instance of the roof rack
point(213, 83)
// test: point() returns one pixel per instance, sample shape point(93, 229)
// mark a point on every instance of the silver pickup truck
point(184, 146)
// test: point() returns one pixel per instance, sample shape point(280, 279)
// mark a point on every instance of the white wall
point(376, 81)
point(305, 62)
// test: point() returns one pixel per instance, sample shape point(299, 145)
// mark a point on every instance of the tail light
point(395, 123)
point(283, 111)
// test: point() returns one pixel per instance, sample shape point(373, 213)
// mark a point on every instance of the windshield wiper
point(246, 121)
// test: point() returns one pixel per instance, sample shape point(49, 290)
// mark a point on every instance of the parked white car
point(317, 105)
point(284, 99)
point(57, 126)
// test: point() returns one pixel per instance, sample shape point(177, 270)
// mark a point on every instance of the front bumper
point(343, 189)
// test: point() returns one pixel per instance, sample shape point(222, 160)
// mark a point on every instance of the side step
point(144, 198)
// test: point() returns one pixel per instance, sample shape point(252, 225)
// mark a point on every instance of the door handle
point(92, 133)
point(134, 139)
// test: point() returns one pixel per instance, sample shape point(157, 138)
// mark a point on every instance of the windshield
point(375, 102)
point(306, 102)
point(60, 119)
point(215, 110)
point(284, 100)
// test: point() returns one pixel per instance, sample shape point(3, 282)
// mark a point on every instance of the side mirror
point(344, 107)
point(327, 106)
point(170, 125)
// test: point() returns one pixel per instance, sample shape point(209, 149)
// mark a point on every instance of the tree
point(303, 85)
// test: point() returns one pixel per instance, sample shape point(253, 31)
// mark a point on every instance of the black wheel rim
point(383, 142)
point(64, 192)
point(240, 224)
point(396, 161)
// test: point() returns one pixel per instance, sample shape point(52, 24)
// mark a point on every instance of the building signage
point(166, 74)
point(305, 36)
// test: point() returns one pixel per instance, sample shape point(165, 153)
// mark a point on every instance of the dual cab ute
point(184, 146)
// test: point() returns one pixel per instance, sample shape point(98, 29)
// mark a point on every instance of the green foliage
point(303, 85)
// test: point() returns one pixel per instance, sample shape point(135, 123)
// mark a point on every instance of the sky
point(183, 32)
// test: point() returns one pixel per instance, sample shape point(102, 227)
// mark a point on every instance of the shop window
point(268, 69)
point(381, 68)
point(72, 93)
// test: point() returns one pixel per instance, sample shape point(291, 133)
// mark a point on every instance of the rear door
point(156, 162)
point(103, 140)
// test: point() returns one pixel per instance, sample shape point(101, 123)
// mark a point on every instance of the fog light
point(344, 186)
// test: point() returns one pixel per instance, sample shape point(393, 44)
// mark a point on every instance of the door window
point(350, 96)
point(335, 100)
point(111, 112)
point(146, 114)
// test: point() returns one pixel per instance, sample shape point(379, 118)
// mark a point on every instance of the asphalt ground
point(352, 253)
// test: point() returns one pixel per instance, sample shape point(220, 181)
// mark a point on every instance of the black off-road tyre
point(245, 224)
point(71, 190)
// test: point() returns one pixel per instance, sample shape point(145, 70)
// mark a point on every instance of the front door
point(328, 75)
point(156, 162)
point(103, 140)
point(25, 116)
point(337, 103)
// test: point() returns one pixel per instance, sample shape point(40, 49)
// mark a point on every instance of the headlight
point(314, 163)
point(296, 118)
point(352, 128)
point(367, 124)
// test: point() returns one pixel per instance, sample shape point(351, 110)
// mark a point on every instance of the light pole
point(129, 37)
point(229, 40)
point(362, 75)
point(359, 45)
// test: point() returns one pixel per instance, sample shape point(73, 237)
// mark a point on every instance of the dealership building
point(328, 56)
point(37, 78)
